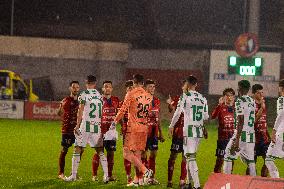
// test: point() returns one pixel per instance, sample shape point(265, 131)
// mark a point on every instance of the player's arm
point(206, 119)
point(276, 125)
point(61, 109)
point(79, 118)
point(170, 103)
point(217, 109)
point(176, 115)
point(240, 123)
point(279, 105)
point(82, 102)
point(260, 111)
point(123, 109)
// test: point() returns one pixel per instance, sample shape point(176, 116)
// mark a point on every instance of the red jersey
point(226, 119)
point(69, 118)
point(260, 126)
point(178, 128)
point(110, 109)
point(153, 121)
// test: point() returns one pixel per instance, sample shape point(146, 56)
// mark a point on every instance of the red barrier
point(42, 110)
point(223, 181)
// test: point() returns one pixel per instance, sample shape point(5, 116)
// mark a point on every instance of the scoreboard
point(245, 66)
point(227, 68)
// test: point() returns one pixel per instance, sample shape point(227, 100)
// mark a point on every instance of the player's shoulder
point(114, 98)
point(195, 94)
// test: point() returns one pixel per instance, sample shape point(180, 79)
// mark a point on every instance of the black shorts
point(67, 140)
point(221, 147)
point(110, 145)
point(177, 145)
point(261, 149)
point(152, 143)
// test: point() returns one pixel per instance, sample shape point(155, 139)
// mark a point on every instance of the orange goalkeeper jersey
point(137, 103)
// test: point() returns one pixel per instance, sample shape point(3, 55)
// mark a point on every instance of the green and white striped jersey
point(93, 103)
point(195, 109)
point(280, 104)
point(246, 106)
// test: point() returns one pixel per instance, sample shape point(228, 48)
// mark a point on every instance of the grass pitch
point(30, 151)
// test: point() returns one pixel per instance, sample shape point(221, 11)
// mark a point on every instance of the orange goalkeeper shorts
point(135, 141)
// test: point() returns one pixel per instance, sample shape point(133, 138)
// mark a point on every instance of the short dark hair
point(256, 87)
point(191, 80)
point(72, 82)
point(281, 83)
point(129, 83)
point(149, 82)
point(91, 79)
point(107, 81)
point(228, 90)
point(138, 79)
point(244, 86)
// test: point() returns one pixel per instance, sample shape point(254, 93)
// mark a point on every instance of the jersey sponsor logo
point(109, 110)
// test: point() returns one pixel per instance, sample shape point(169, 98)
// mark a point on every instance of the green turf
point(30, 151)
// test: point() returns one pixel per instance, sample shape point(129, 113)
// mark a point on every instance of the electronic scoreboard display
point(245, 66)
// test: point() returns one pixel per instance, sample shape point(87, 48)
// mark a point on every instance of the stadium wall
point(61, 61)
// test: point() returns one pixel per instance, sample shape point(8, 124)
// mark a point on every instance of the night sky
point(142, 22)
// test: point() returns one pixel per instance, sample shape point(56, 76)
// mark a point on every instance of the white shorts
point(190, 145)
point(246, 150)
point(276, 150)
point(93, 139)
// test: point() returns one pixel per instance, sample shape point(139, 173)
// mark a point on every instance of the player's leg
point(127, 165)
point(133, 146)
point(220, 152)
point(95, 166)
point(110, 146)
point(190, 147)
point(103, 161)
point(273, 170)
point(264, 170)
point(80, 144)
point(274, 151)
point(152, 166)
point(75, 163)
point(229, 156)
point(62, 162)
point(183, 174)
point(171, 166)
point(95, 140)
point(153, 147)
point(247, 154)
point(176, 148)
point(144, 158)
point(63, 153)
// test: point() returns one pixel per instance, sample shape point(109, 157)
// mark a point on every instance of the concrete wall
point(178, 64)
point(63, 60)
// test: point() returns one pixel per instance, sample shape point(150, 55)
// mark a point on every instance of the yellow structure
point(13, 87)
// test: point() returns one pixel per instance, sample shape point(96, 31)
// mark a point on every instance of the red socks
point(171, 166)
point(62, 162)
point(152, 164)
point(183, 171)
point(95, 164)
point(127, 167)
